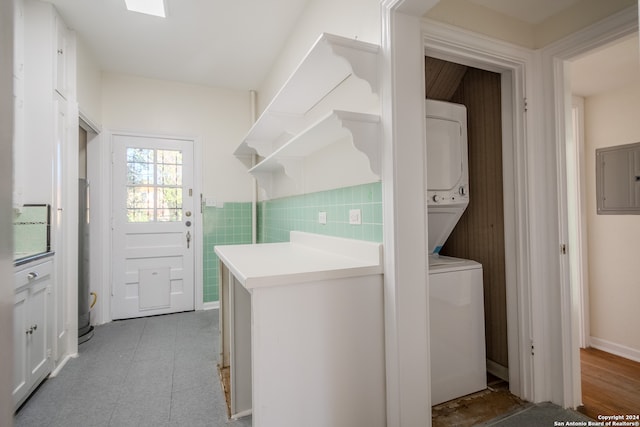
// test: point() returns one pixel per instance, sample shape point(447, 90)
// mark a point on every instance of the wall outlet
point(322, 217)
point(355, 217)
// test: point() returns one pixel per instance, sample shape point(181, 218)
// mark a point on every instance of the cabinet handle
point(32, 275)
point(60, 51)
point(31, 329)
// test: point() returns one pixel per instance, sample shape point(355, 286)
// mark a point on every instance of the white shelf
point(331, 61)
point(362, 128)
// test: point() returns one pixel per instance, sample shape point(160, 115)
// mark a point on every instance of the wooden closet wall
point(480, 233)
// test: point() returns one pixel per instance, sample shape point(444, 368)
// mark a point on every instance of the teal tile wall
point(231, 224)
point(277, 217)
point(228, 225)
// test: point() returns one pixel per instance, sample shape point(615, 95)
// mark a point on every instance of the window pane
point(169, 175)
point(140, 204)
point(170, 157)
point(140, 166)
point(140, 155)
point(139, 173)
point(154, 178)
point(139, 215)
point(140, 197)
point(169, 167)
point(169, 204)
point(169, 215)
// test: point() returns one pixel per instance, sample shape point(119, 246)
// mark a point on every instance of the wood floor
point(610, 384)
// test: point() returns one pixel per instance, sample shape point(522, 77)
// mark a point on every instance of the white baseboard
point(64, 361)
point(617, 349)
point(211, 305)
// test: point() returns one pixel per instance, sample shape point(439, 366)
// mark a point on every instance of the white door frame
point(557, 103)
point(576, 205)
point(106, 205)
point(405, 239)
point(512, 63)
point(407, 358)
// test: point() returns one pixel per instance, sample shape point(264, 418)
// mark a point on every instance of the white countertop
point(307, 257)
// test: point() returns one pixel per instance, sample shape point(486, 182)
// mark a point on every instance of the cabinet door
point(20, 376)
point(38, 308)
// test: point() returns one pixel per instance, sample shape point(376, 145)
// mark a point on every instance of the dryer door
point(444, 154)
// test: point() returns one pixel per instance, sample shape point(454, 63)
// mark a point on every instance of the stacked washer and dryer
point(456, 303)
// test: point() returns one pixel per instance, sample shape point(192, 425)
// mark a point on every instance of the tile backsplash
point(31, 226)
point(227, 225)
point(277, 217)
point(231, 224)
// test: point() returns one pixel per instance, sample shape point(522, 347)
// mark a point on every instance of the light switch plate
point(322, 217)
point(355, 216)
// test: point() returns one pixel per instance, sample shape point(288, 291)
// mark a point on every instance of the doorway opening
point(481, 232)
point(604, 86)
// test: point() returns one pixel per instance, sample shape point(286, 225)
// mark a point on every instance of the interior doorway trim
point(512, 63)
point(557, 107)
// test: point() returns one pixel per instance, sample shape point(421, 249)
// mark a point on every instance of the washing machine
point(456, 301)
point(456, 311)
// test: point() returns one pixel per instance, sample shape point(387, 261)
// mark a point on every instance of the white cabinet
point(50, 146)
point(18, 102)
point(302, 331)
point(49, 77)
point(32, 347)
point(330, 97)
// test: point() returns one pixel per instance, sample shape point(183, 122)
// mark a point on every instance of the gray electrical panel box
point(618, 180)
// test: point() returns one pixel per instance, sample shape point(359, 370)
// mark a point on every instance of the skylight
point(148, 7)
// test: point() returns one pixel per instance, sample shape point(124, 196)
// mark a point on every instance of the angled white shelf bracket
point(362, 128)
point(331, 61)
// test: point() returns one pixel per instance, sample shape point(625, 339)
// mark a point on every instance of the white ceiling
point(612, 67)
point(531, 11)
point(219, 43)
point(233, 44)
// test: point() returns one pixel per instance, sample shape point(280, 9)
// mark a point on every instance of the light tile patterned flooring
point(161, 372)
point(155, 371)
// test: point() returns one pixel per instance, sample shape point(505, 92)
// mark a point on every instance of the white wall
point(89, 83)
point(614, 271)
point(218, 118)
point(354, 19)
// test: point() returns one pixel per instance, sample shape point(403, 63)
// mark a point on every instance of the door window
point(154, 185)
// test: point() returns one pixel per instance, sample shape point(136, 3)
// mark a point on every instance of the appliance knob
point(462, 191)
point(436, 198)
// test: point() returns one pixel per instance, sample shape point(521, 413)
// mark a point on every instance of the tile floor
point(161, 372)
point(156, 371)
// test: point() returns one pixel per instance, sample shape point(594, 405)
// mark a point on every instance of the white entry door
point(153, 231)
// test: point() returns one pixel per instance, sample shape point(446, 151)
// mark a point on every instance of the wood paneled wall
point(480, 233)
